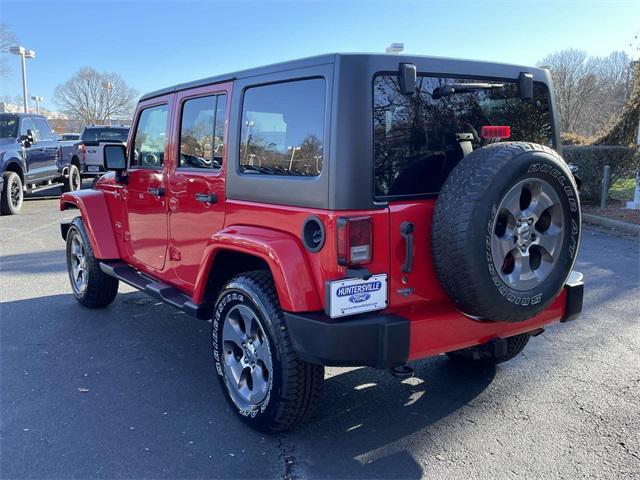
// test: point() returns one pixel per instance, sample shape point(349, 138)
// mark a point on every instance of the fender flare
point(97, 220)
point(19, 163)
point(281, 251)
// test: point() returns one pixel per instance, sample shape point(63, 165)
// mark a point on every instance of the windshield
point(70, 136)
point(105, 135)
point(8, 126)
point(419, 139)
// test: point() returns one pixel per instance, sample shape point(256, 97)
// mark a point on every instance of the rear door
point(145, 194)
point(196, 192)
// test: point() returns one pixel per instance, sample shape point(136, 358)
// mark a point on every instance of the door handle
point(206, 197)
point(157, 191)
point(406, 230)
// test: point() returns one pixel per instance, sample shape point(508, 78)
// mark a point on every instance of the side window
point(26, 125)
point(283, 128)
point(42, 128)
point(149, 140)
point(202, 132)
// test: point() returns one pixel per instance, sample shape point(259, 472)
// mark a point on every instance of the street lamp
point(24, 54)
point(37, 99)
point(108, 86)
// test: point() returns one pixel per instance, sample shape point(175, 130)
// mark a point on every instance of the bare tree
point(590, 91)
point(575, 83)
point(95, 98)
point(7, 39)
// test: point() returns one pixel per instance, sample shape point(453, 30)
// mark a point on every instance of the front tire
point(12, 194)
point(74, 181)
point(91, 287)
point(265, 382)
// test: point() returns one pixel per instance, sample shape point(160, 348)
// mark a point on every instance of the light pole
point(37, 99)
point(24, 54)
point(108, 86)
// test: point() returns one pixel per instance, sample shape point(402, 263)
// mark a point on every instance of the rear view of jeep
point(340, 210)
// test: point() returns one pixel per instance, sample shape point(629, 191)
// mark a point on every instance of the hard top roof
point(307, 62)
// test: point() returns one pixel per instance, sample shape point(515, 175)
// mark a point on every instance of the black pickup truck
point(30, 160)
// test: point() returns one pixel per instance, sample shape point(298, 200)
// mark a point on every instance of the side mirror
point(115, 158)
point(27, 139)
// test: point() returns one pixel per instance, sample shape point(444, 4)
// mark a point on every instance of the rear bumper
point(383, 340)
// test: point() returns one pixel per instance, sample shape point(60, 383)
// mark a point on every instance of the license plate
point(93, 168)
point(355, 295)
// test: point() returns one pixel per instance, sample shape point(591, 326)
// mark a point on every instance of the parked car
point(68, 137)
point(87, 152)
point(344, 210)
point(30, 160)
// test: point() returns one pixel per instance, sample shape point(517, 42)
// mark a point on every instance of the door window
point(202, 132)
point(43, 132)
point(151, 133)
point(27, 124)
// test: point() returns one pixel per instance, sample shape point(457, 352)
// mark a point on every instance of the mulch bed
point(614, 211)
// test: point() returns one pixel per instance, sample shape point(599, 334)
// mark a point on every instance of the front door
point(34, 155)
point(197, 181)
point(146, 232)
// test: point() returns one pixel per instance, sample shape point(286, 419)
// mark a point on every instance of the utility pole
point(24, 54)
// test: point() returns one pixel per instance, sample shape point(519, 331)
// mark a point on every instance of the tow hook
point(402, 371)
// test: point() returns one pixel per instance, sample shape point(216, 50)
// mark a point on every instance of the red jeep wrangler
point(344, 210)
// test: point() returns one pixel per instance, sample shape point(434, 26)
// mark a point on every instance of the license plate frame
point(350, 296)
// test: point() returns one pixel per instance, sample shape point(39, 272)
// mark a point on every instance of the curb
point(624, 227)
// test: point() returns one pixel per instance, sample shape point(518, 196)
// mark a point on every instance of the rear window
point(283, 128)
point(417, 138)
point(105, 135)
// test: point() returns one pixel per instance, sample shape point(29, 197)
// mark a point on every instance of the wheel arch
point(94, 212)
point(240, 249)
point(13, 165)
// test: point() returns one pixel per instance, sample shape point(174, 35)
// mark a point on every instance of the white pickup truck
point(87, 153)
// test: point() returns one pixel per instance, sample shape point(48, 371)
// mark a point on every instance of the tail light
point(58, 154)
point(354, 242)
point(83, 149)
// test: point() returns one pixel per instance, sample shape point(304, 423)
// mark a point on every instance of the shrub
point(591, 161)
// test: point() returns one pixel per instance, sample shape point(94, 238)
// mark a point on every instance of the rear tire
point(74, 181)
point(483, 355)
point(91, 287)
point(12, 194)
point(265, 382)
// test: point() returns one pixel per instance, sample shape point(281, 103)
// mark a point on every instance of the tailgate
point(412, 275)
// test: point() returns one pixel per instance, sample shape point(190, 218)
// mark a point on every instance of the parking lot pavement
point(130, 392)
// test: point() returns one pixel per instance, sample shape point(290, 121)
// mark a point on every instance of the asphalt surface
point(130, 391)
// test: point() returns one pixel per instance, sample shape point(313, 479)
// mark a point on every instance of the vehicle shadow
point(153, 397)
point(34, 262)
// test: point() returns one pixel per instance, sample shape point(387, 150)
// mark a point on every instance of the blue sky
point(155, 44)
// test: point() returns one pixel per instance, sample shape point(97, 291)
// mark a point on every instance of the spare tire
point(506, 230)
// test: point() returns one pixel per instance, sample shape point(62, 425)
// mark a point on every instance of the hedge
point(591, 161)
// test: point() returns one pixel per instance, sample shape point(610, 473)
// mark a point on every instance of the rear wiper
point(453, 88)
